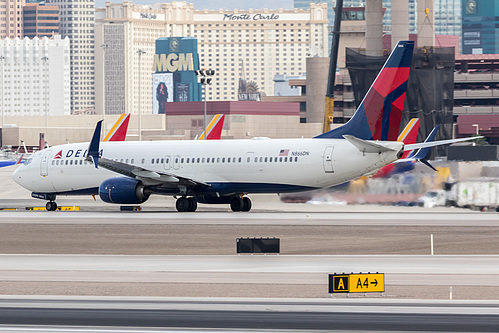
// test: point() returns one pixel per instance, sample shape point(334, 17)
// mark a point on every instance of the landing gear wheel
point(182, 204)
point(237, 204)
point(193, 205)
point(51, 206)
point(246, 204)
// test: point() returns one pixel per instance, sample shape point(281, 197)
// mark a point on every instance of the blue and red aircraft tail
point(378, 116)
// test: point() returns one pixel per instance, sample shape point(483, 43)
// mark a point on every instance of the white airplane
point(223, 172)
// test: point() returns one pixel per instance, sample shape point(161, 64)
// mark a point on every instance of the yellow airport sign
point(366, 283)
point(357, 283)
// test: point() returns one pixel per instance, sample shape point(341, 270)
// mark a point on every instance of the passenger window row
point(70, 162)
point(213, 160)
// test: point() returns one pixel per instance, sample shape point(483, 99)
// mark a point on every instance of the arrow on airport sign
point(366, 283)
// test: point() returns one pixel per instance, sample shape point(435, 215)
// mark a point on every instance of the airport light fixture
point(104, 49)
point(140, 53)
point(205, 77)
point(46, 75)
point(2, 59)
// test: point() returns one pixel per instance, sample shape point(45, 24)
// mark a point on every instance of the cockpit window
point(28, 161)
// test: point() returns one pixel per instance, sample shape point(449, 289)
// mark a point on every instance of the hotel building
point(35, 76)
point(251, 45)
point(77, 22)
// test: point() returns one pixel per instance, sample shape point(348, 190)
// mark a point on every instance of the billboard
point(174, 64)
point(162, 87)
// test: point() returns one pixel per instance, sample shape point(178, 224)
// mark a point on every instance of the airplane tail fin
point(119, 129)
point(93, 146)
point(380, 112)
point(20, 159)
point(410, 134)
point(214, 128)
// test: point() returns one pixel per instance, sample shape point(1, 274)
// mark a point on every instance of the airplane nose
point(18, 176)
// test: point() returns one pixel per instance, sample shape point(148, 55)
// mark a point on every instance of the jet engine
point(123, 190)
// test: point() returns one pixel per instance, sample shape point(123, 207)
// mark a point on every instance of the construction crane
point(333, 59)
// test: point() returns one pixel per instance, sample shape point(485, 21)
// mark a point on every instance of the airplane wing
point(148, 177)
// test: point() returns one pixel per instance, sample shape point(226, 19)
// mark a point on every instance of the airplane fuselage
point(229, 167)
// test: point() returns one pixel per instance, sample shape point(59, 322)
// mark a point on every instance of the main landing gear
point(240, 204)
point(185, 204)
point(51, 206)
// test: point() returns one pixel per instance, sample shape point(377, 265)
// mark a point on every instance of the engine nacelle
point(123, 190)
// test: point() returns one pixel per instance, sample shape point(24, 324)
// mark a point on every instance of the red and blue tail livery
point(380, 112)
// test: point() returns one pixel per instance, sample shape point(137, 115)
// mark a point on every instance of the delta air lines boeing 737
point(225, 171)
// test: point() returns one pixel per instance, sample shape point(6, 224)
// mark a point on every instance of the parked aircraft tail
point(380, 112)
point(408, 135)
point(214, 128)
point(119, 129)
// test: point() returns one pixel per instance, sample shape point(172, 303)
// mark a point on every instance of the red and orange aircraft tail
point(408, 136)
point(214, 128)
point(119, 129)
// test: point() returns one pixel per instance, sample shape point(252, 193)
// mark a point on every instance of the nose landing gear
point(51, 206)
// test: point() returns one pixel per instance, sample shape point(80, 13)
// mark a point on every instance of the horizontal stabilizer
point(438, 143)
point(367, 146)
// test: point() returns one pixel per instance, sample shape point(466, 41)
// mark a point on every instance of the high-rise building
point(40, 21)
point(448, 18)
point(480, 27)
point(252, 45)
point(77, 19)
point(35, 76)
point(447, 15)
point(11, 18)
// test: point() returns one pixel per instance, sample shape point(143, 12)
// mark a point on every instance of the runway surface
point(193, 254)
point(243, 314)
point(101, 252)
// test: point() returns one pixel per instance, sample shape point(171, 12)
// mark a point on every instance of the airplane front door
point(328, 160)
point(44, 165)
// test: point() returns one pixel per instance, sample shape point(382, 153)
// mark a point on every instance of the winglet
point(93, 147)
point(422, 152)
